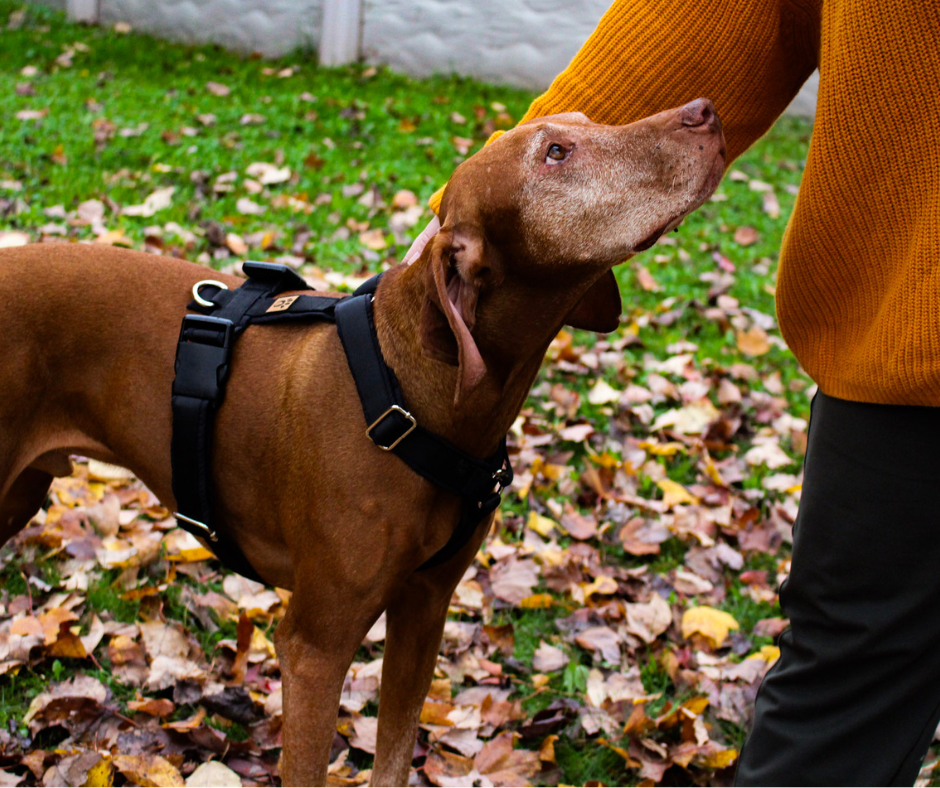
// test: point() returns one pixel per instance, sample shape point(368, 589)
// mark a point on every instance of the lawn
point(617, 622)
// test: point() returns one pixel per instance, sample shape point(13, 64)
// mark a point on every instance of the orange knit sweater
point(858, 293)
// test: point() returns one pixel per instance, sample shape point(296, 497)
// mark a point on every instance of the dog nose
point(699, 114)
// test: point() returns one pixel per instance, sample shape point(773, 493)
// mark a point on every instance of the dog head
point(554, 204)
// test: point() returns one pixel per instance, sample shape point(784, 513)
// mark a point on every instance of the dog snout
point(700, 115)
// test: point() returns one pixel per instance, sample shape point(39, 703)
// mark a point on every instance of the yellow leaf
point(260, 644)
point(602, 585)
point(712, 624)
point(605, 460)
point(543, 526)
point(696, 705)
point(662, 449)
point(721, 760)
point(191, 555)
point(769, 654)
point(711, 471)
point(674, 493)
point(537, 601)
point(553, 471)
point(547, 750)
point(148, 770)
point(100, 775)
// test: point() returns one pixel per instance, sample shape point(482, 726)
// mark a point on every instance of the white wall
point(273, 27)
point(517, 42)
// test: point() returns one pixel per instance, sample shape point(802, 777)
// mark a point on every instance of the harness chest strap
point(202, 369)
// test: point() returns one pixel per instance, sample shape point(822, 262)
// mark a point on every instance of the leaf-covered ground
point(616, 625)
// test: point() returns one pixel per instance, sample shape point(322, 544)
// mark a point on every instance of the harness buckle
point(264, 271)
point(204, 530)
point(202, 357)
point(379, 422)
point(503, 478)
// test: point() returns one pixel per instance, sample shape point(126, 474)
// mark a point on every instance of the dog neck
point(514, 326)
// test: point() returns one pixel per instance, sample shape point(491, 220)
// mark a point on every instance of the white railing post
point(82, 10)
point(339, 36)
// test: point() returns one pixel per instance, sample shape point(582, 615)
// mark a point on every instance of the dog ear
point(599, 308)
point(455, 277)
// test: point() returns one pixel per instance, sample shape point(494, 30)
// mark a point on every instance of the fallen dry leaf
point(712, 624)
point(753, 342)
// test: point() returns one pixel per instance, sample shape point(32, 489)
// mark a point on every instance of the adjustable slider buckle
point(378, 423)
point(202, 357)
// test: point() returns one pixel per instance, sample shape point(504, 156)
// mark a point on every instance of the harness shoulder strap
point(391, 427)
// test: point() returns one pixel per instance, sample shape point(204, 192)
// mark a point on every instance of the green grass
point(333, 127)
point(588, 761)
point(102, 595)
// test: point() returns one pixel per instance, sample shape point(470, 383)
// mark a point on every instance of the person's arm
point(750, 57)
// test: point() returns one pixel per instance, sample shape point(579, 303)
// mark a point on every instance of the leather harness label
point(281, 304)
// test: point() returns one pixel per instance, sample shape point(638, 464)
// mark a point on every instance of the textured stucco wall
point(273, 27)
point(517, 42)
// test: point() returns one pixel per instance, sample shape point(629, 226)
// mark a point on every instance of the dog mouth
point(651, 239)
point(709, 184)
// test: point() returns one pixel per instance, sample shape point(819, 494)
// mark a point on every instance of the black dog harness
point(203, 363)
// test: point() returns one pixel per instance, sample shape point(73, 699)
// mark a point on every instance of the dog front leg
point(415, 625)
point(316, 642)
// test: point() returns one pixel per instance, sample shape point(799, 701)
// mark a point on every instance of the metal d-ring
point(205, 283)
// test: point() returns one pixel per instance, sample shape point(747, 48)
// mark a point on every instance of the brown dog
point(532, 226)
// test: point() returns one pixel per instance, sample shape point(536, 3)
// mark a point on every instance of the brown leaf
point(366, 730)
point(504, 765)
point(67, 645)
point(753, 342)
point(71, 770)
point(548, 658)
point(502, 637)
point(636, 540)
point(648, 621)
point(155, 707)
point(603, 641)
point(645, 279)
point(245, 630)
point(513, 580)
point(745, 236)
point(446, 768)
point(27, 625)
point(578, 525)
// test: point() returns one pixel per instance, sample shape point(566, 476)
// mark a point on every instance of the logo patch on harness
point(281, 304)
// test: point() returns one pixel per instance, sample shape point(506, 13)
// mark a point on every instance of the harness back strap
point(202, 368)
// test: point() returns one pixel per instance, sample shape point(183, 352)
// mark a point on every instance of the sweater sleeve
point(750, 57)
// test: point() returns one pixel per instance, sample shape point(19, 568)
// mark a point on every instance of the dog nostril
point(700, 112)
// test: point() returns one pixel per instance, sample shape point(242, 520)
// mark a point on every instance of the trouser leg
point(855, 696)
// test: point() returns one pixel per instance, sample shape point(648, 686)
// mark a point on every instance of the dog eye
point(556, 153)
